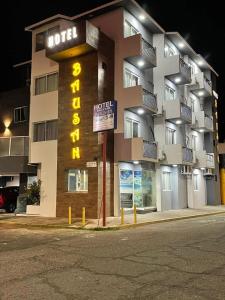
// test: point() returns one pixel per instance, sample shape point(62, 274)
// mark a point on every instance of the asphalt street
point(175, 260)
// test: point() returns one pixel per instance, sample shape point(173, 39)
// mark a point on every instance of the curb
point(112, 228)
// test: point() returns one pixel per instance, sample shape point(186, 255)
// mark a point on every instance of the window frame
point(172, 131)
point(85, 183)
point(167, 182)
point(45, 131)
point(46, 83)
point(168, 90)
point(131, 74)
point(196, 182)
point(132, 121)
point(20, 108)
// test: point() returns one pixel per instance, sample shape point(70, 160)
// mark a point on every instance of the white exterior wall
point(44, 107)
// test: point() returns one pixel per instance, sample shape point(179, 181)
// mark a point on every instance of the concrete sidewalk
point(11, 220)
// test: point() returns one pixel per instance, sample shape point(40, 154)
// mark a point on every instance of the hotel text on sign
point(62, 37)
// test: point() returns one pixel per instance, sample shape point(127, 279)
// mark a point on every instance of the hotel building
point(162, 154)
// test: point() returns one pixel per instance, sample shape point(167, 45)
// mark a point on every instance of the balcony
point(176, 70)
point(203, 122)
point(204, 160)
point(137, 50)
point(14, 155)
point(177, 154)
point(135, 97)
point(202, 86)
point(134, 149)
point(177, 112)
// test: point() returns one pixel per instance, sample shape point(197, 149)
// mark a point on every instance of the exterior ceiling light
point(181, 45)
point(142, 17)
point(140, 111)
point(202, 168)
point(201, 130)
point(201, 93)
point(178, 122)
point(141, 63)
point(177, 79)
point(136, 162)
point(200, 62)
point(174, 166)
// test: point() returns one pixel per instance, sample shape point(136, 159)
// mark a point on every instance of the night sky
point(201, 23)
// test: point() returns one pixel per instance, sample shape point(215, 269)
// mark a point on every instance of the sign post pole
point(104, 177)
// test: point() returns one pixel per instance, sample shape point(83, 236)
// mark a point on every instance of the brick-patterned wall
point(92, 91)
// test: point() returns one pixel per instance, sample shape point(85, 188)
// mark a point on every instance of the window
point(77, 180)
point(41, 37)
point(21, 114)
point(131, 128)
point(129, 30)
point(170, 135)
point(169, 93)
point(130, 79)
point(166, 181)
point(196, 182)
point(169, 51)
point(194, 142)
point(45, 131)
point(46, 83)
point(40, 41)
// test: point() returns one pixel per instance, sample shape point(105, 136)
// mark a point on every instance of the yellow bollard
point(135, 214)
point(122, 216)
point(222, 185)
point(70, 216)
point(83, 216)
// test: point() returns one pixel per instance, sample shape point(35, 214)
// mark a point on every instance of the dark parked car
point(8, 198)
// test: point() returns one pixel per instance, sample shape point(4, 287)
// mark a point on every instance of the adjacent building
point(15, 169)
point(163, 153)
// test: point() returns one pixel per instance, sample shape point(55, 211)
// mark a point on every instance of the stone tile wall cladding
point(96, 86)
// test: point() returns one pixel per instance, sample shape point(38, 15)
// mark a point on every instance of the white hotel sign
point(62, 37)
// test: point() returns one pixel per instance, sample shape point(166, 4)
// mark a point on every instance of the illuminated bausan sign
point(76, 105)
point(62, 37)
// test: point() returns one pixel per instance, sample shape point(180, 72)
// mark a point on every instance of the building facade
point(162, 155)
point(14, 137)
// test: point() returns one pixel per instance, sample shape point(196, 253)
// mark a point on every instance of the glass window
point(45, 131)
point(169, 93)
point(129, 30)
point(194, 142)
point(77, 180)
point(52, 82)
point(40, 41)
point(170, 135)
point(20, 114)
point(46, 83)
point(130, 79)
point(196, 182)
point(131, 128)
point(166, 181)
point(40, 85)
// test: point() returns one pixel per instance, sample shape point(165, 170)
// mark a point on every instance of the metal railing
point(185, 69)
point(187, 154)
point(208, 122)
point(207, 81)
point(150, 149)
point(148, 49)
point(186, 112)
point(149, 100)
point(14, 146)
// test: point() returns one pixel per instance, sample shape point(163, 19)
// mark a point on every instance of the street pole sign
point(104, 119)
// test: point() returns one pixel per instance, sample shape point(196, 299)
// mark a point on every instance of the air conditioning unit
point(186, 170)
point(208, 172)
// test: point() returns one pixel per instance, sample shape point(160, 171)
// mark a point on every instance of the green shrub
point(33, 193)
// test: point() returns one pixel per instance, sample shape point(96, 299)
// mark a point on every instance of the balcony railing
point(14, 146)
point(150, 149)
point(149, 100)
point(187, 154)
point(186, 112)
point(185, 69)
point(208, 122)
point(207, 81)
point(148, 49)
